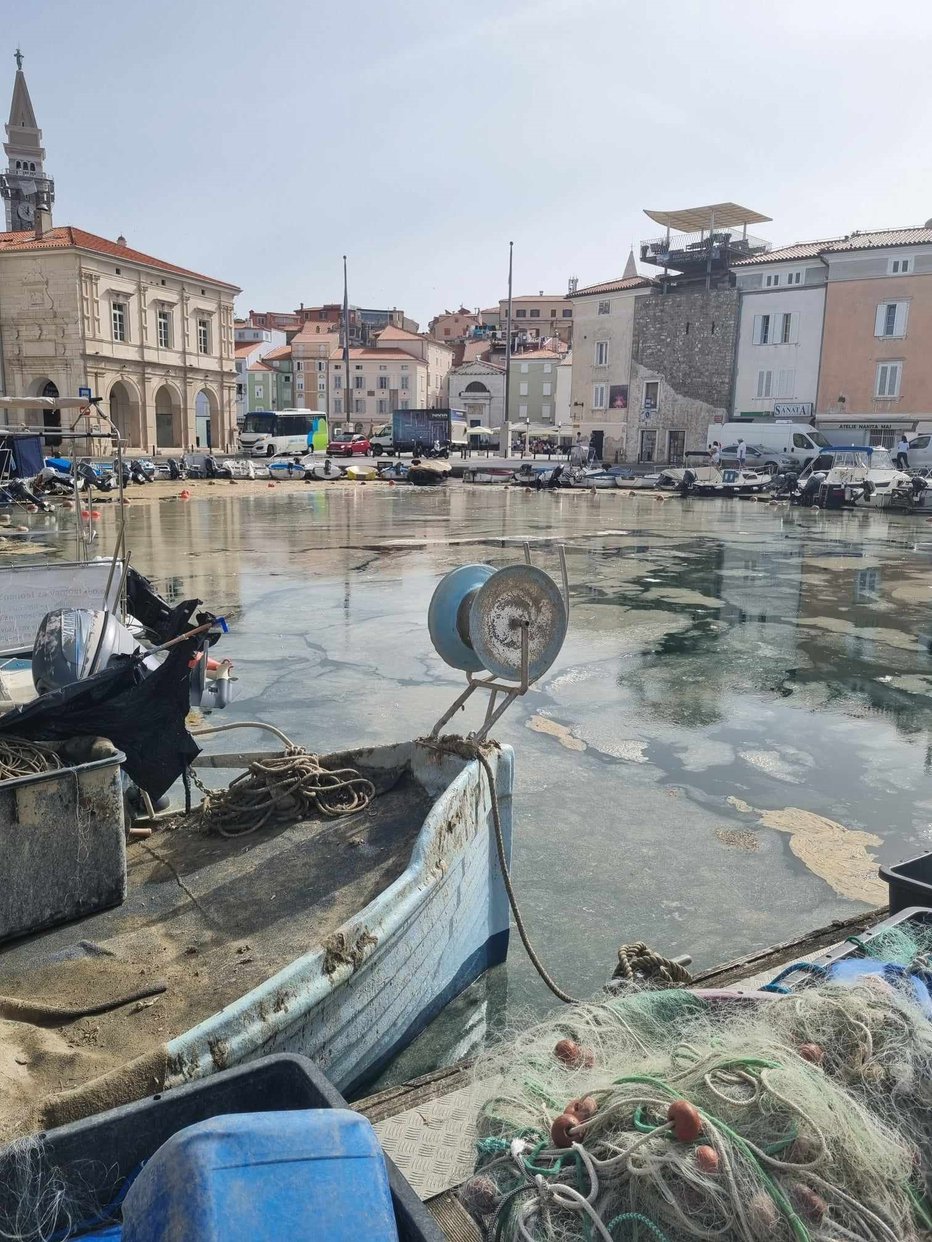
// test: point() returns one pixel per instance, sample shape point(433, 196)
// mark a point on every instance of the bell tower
point(26, 191)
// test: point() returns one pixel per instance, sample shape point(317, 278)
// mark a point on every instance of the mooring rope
point(19, 757)
point(637, 961)
point(282, 788)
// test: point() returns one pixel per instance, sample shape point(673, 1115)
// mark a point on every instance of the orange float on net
point(583, 1108)
point(687, 1124)
point(707, 1159)
point(813, 1053)
point(560, 1129)
point(574, 1055)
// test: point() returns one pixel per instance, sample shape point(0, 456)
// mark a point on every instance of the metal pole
point(347, 398)
point(507, 420)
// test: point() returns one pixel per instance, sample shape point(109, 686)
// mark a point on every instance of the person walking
point(742, 454)
point(902, 449)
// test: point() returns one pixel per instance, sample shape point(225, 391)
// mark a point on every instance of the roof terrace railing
point(723, 243)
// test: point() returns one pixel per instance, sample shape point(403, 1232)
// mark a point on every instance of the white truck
point(781, 438)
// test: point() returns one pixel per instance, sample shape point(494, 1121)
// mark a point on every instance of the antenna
point(503, 628)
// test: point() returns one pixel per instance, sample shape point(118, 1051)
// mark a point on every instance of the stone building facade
point(682, 370)
point(154, 341)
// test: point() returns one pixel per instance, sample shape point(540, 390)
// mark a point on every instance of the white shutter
point(757, 327)
point(794, 328)
point(545, 390)
point(902, 314)
point(786, 382)
point(880, 319)
point(882, 381)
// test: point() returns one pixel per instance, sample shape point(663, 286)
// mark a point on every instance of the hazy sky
point(257, 143)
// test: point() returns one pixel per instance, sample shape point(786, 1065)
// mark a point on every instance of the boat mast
point(346, 354)
point(507, 418)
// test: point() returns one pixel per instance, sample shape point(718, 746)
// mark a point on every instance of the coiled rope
point(282, 789)
point(19, 757)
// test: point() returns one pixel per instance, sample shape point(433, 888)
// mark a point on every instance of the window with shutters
point(338, 405)
point(604, 308)
point(383, 405)
point(889, 375)
point(771, 280)
point(405, 383)
point(601, 353)
point(786, 383)
point(522, 388)
point(762, 326)
point(598, 396)
point(338, 382)
point(522, 411)
point(359, 381)
point(787, 328)
point(545, 409)
point(794, 278)
point(203, 338)
point(545, 390)
point(164, 328)
point(891, 319)
point(360, 405)
point(899, 267)
point(765, 383)
point(383, 381)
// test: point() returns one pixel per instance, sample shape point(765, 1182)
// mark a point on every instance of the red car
point(347, 445)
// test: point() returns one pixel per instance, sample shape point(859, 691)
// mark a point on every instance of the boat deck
point(207, 917)
point(426, 1126)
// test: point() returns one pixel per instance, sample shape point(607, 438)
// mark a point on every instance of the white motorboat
point(328, 470)
point(702, 477)
point(859, 475)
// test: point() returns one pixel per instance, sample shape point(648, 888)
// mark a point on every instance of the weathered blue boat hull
point(356, 1001)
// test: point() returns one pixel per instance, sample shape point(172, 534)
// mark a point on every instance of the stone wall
point(684, 341)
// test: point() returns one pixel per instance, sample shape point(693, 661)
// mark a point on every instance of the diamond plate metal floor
point(434, 1144)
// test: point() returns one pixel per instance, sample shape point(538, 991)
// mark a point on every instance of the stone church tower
point(27, 192)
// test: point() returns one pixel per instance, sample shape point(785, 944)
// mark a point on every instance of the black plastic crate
point(909, 883)
point(96, 1155)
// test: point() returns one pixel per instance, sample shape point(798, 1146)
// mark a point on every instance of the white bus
point(265, 433)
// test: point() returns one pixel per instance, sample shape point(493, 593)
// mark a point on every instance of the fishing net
point(662, 1116)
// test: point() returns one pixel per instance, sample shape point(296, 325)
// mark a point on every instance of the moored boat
point(327, 470)
point(428, 472)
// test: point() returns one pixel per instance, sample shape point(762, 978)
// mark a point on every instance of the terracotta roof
point(276, 355)
point(258, 366)
point(315, 328)
point(245, 347)
point(391, 333)
point(68, 237)
point(536, 355)
point(876, 240)
point(379, 355)
point(786, 254)
point(614, 286)
point(883, 237)
point(538, 297)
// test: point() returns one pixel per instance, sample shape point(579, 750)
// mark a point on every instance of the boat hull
point(415, 947)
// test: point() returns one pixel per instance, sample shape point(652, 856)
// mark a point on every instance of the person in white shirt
point(716, 453)
point(901, 452)
point(742, 454)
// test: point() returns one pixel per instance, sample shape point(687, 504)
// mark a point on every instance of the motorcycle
point(438, 449)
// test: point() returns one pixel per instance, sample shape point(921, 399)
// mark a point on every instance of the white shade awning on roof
point(478, 431)
point(716, 215)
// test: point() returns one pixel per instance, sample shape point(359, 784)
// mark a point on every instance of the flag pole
point(346, 346)
point(507, 419)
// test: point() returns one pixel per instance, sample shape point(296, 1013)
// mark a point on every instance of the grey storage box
point(62, 840)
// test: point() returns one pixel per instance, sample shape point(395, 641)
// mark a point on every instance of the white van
point(799, 440)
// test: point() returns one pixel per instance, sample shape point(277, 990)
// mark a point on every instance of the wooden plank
point(778, 955)
point(453, 1218)
point(394, 1100)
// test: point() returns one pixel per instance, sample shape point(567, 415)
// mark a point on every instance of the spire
point(631, 268)
point(24, 185)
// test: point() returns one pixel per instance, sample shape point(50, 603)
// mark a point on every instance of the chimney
point(121, 240)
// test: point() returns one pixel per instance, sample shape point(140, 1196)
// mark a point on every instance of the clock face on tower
point(25, 212)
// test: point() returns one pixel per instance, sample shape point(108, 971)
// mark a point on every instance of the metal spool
point(516, 598)
point(448, 616)
point(477, 616)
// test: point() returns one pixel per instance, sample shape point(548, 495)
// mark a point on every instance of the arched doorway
point(51, 419)
point(124, 413)
point(207, 430)
point(477, 400)
point(168, 431)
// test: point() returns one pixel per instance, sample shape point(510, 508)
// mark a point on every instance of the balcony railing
point(687, 249)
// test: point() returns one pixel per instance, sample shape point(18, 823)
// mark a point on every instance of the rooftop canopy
point(698, 219)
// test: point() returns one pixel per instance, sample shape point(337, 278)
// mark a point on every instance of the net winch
point(503, 628)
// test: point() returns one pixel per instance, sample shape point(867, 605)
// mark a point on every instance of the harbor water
point(736, 732)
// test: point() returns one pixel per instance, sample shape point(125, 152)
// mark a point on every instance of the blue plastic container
point(264, 1177)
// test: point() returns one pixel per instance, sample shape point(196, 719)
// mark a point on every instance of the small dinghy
point(396, 472)
point(361, 473)
point(488, 474)
point(327, 469)
point(429, 472)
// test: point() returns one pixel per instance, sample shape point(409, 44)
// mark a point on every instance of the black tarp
point(162, 621)
point(140, 712)
point(20, 456)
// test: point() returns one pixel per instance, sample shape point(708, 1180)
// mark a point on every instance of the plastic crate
point(96, 1156)
point(909, 883)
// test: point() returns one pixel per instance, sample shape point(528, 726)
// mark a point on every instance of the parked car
point(346, 445)
point(767, 461)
